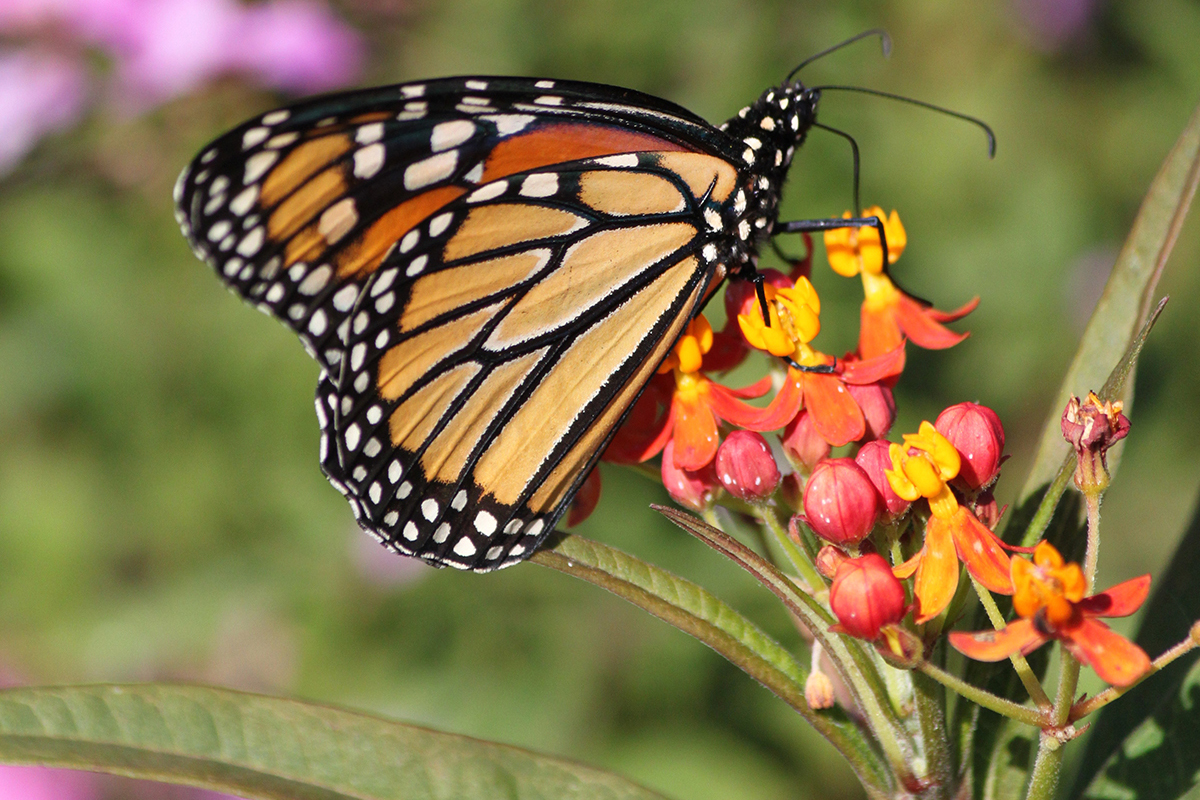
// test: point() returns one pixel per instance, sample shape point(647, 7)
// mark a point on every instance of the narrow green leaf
point(1128, 296)
point(1173, 608)
point(277, 749)
point(696, 611)
point(1160, 759)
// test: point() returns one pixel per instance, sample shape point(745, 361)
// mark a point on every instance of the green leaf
point(1128, 296)
point(696, 611)
point(265, 747)
point(1165, 702)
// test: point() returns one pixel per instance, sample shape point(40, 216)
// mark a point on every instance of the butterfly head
point(767, 133)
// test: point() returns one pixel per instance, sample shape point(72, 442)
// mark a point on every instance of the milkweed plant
point(931, 614)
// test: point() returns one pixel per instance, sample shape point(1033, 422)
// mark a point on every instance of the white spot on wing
point(542, 184)
point(254, 136)
point(258, 164)
point(488, 191)
point(371, 132)
point(464, 547)
point(338, 220)
point(450, 134)
point(368, 160)
point(276, 117)
point(622, 160)
point(244, 200)
point(436, 168)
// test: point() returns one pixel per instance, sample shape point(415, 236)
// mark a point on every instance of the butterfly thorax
point(768, 131)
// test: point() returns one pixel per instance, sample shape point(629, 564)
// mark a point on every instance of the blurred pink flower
point(40, 93)
point(297, 46)
point(44, 783)
point(159, 49)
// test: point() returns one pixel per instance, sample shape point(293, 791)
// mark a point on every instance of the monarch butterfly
point(488, 271)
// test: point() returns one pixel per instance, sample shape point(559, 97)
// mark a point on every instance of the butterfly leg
point(814, 225)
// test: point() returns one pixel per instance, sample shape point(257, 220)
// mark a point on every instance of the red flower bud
point(746, 467)
point(801, 442)
point(878, 405)
point(840, 502)
point(874, 458)
point(695, 490)
point(986, 509)
point(976, 433)
point(865, 596)
point(585, 500)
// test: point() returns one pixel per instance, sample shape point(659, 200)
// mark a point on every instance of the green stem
point(797, 556)
point(1092, 556)
point(1032, 685)
point(930, 701)
point(1045, 511)
point(982, 697)
point(1044, 778)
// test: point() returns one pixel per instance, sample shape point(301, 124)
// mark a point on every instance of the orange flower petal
point(951, 316)
point(782, 409)
point(695, 435)
point(1116, 659)
point(878, 332)
point(980, 550)
point(835, 415)
point(908, 567)
point(937, 572)
point(1119, 601)
point(920, 326)
point(1020, 636)
point(874, 369)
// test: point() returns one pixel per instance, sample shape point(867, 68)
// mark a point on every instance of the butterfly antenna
point(885, 43)
point(987, 129)
point(854, 150)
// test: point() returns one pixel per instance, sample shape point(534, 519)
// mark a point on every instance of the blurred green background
point(162, 515)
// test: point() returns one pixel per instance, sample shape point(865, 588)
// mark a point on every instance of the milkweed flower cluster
point(888, 527)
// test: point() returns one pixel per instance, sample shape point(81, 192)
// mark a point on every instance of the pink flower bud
point(840, 502)
point(976, 433)
point(865, 596)
point(746, 467)
point(694, 490)
point(874, 458)
point(878, 406)
point(801, 442)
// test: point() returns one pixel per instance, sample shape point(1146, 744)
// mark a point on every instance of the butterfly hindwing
point(473, 405)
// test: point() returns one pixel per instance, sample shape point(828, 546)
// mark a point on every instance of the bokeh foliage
point(161, 510)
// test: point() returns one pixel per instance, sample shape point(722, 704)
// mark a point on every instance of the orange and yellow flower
point(687, 410)
point(1049, 597)
point(922, 467)
point(889, 314)
point(794, 312)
